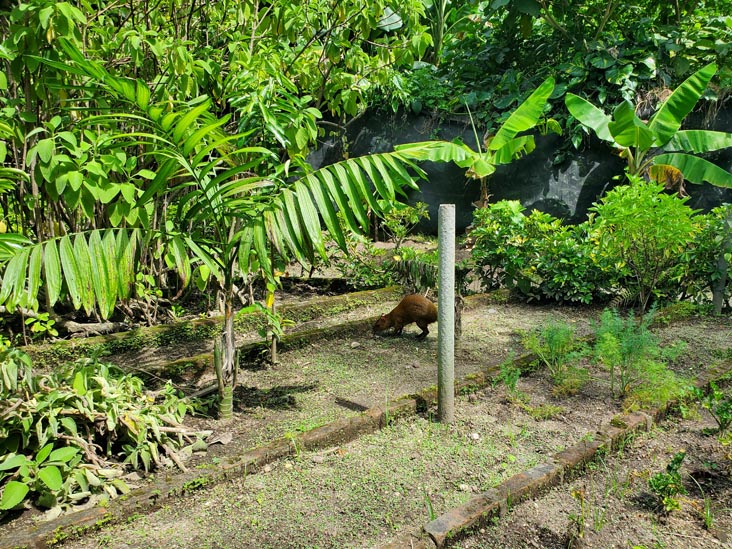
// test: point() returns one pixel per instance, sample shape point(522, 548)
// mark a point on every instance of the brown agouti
point(413, 308)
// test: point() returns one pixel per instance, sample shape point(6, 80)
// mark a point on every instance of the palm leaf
point(30, 299)
point(87, 276)
point(52, 267)
point(14, 279)
point(72, 276)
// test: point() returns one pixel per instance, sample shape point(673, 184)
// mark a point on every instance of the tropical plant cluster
point(492, 52)
point(641, 246)
point(66, 436)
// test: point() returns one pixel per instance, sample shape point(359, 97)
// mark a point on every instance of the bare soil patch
point(370, 491)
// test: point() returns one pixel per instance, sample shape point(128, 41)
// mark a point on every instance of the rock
point(355, 344)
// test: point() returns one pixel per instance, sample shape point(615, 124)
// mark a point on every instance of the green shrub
point(534, 255)
point(636, 362)
point(646, 234)
point(710, 257)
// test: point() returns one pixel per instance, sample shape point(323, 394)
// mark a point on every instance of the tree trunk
point(226, 358)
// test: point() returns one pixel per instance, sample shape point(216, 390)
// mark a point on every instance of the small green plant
point(719, 404)
point(508, 374)
point(668, 486)
point(634, 359)
point(706, 511)
point(177, 311)
point(430, 509)
point(579, 519)
point(558, 349)
point(41, 326)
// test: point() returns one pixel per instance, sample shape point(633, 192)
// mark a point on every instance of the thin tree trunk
point(226, 373)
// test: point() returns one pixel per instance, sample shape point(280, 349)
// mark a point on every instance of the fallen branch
point(172, 455)
point(77, 329)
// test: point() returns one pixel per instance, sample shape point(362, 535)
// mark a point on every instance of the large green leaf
point(699, 141)
point(51, 477)
point(125, 253)
point(590, 116)
point(437, 151)
point(524, 117)
point(14, 279)
point(14, 493)
point(52, 268)
point(102, 258)
point(72, 276)
point(326, 210)
point(513, 149)
point(628, 130)
point(30, 300)
point(695, 169)
point(310, 218)
point(87, 278)
point(667, 121)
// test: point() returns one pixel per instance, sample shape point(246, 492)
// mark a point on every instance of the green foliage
point(606, 51)
point(61, 431)
point(668, 486)
point(559, 350)
point(719, 404)
point(635, 138)
point(418, 270)
point(535, 255)
point(710, 258)
point(400, 219)
point(646, 234)
point(632, 355)
point(362, 264)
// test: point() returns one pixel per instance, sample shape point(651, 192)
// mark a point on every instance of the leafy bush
point(400, 219)
point(710, 257)
point(63, 435)
point(535, 255)
point(646, 234)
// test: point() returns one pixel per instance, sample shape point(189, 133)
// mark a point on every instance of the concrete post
point(446, 315)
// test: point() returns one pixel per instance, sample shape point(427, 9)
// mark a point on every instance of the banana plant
point(673, 149)
point(233, 205)
point(505, 146)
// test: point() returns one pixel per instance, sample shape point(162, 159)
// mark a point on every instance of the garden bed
point(387, 484)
